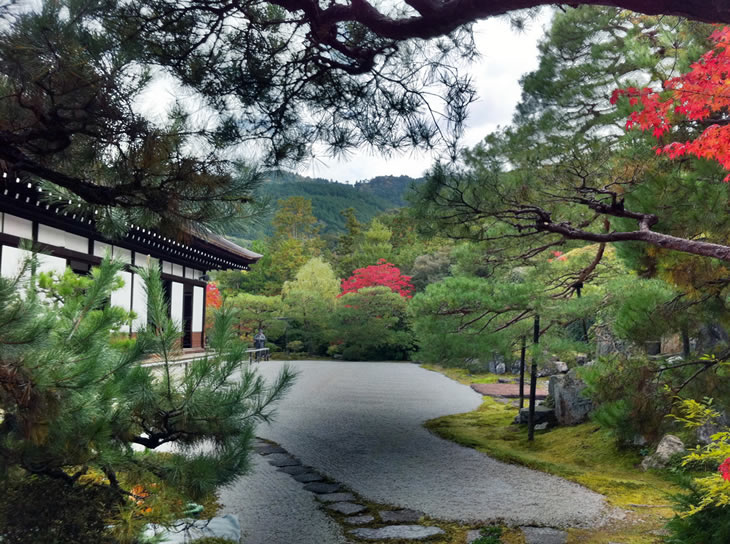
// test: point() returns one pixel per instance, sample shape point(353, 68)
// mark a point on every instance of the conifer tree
point(74, 404)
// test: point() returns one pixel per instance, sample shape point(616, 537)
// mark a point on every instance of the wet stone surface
point(282, 460)
point(295, 469)
point(321, 487)
point(336, 497)
point(268, 449)
point(400, 516)
point(359, 520)
point(544, 535)
point(392, 532)
point(347, 508)
point(307, 477)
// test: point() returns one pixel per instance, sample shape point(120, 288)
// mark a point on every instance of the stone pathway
point(353, 510)
point(508, 390)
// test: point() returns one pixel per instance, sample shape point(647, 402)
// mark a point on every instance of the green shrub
point(41, 510)
point(630, 400)
point(711, 525)
point(295, 346)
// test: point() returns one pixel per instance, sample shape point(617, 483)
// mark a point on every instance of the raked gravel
point(361, 424)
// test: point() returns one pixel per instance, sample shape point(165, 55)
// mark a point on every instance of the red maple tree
point(702, 94)
point(213, 297)
point(383, 273)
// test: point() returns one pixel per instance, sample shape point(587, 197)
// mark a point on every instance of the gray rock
point(515, 367)
point(307, 477)
point(322, 487)
point(544, 535)
point(550, 368)
point(668, 446)
point(543, 414)
point(268, 449)
point(281, 460)
point(581, 359)
point(227, 527)
point(336, 497)
point(501, 368)
point(567, 392)
point(392, 532)
point(347, 508)
point(704, 432)
point(400, 516)
point(359, 520)
point(294, 469)
point(541, 426)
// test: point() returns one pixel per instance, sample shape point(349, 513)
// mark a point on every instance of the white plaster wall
point(123, 297)
point(12, 261)
point(49, 263)
point(198, 302)
point(139, 303)
point(60, 238)
point(122, 254)
point(176, 304)
point(177, 270)
point(166, 267)
point(16, 226)
point(101, 249)
point(141, 260)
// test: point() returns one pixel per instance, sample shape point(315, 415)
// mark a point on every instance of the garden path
point(361, 425)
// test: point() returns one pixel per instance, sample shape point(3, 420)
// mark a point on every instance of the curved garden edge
point(584, 454)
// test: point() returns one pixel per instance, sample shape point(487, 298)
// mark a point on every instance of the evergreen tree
point(72, 404)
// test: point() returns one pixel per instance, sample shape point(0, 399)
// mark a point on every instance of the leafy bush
point(295, 346)
point(372, 324)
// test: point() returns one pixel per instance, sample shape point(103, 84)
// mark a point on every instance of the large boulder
point(551, 368)
point(570, 403)
point(543, 414)
point(668, 446)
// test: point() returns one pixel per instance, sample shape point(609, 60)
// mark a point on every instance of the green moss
point(462, 375)
point(583, 453)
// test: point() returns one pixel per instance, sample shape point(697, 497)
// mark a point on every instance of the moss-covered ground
point(585, 454)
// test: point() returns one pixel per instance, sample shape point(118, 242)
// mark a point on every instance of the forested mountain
point(368, 197)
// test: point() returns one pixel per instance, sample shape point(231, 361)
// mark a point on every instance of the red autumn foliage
point(383, 273)
point(724, 469)
point(699, 95)
point(213, 297)
point(558, 255)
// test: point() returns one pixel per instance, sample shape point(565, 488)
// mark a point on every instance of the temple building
point(64, 239)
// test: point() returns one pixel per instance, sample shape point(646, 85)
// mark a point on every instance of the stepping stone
point(308, 477)
point(359, 520)
point(544, 535)
point(400, 516)
point(336, 497)
point(322, 487)
point(347, 508)
point(269, 449)
point(295, 469)
point(473, 535)
point(281, 460)
point(403, 532)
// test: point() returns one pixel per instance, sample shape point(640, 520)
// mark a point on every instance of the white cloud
point(506, 55)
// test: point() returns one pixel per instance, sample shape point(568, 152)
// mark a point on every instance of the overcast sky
point(505, 56)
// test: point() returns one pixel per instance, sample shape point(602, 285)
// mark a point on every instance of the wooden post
point(533, 380)
point(522, 372)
